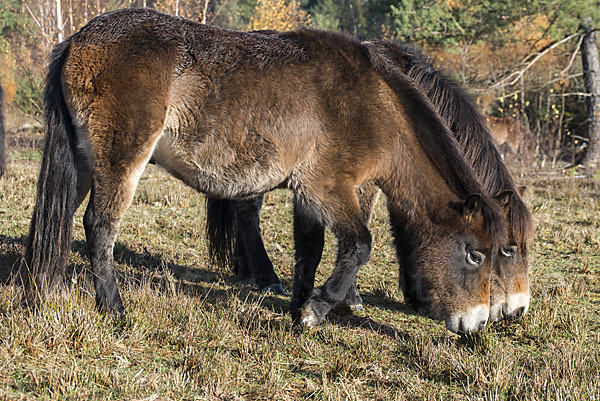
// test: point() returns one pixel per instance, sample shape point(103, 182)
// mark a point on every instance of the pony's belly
point(218, 170)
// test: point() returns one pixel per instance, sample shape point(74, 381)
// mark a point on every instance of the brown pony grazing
point(236, 114)
point(2, 134)
point(510, 283)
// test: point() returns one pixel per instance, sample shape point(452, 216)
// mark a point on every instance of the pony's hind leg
point(114, 178)
point(109, 199)
point(250, 259)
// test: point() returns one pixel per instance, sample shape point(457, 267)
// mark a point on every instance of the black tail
point(2, 140)
point(220, 230)
point(49, 243)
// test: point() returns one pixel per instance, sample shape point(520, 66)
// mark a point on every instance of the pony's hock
point(236, 114)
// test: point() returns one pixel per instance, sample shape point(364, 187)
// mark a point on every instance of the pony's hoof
point(308, 317)
point(275, 289)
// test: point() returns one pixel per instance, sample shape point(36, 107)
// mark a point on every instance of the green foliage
point(567, 16)
point(232, 14)
point(28, 97)
point(326, 14)
point(444, 22)
point(350, 16)
point(11, 21)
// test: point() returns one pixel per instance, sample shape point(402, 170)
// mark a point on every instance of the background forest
point(520, 59)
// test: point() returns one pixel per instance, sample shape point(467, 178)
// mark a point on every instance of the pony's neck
point(422, 191)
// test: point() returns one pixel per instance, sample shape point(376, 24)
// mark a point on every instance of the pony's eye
point(474, 258)
point(509, 251)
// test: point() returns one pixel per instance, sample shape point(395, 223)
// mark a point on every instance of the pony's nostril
point(481, 326)
point(518, 312)
point(503, 310)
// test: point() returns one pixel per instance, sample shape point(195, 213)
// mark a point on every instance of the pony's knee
point(363, 248)
point(363, 252)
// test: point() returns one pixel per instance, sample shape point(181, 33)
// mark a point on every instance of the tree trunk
point(591, 76)
point(59, 21)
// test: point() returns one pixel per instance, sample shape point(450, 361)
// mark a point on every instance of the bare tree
point(591, 75)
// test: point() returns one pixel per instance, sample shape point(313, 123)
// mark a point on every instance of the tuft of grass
point(193, 332)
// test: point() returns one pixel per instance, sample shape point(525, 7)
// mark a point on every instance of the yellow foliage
point(452, 4)
point(7, 75)
point(489, 61)
point(280, 15)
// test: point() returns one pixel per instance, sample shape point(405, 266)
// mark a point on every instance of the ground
point(193, 332)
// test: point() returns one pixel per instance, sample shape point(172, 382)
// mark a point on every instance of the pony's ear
point(504, 198)
point(472, 206)
point(522, 189)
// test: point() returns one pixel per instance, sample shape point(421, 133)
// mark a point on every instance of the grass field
point(193, 332)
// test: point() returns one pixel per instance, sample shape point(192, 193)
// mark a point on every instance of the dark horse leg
point(110, 197)
point(113, 176)
point(250, 260)
point(309, 239)
point(309, 305)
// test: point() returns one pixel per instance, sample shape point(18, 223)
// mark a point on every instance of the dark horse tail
point(49, 242)
point(220, 230)
point(2, 140)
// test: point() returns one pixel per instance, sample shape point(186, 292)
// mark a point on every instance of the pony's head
point(509, 291)
point(446, 264)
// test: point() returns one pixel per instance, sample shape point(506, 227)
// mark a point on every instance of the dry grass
point(193, 333)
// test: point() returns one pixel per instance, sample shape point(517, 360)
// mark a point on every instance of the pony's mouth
point(474, 319)
point(513, 306)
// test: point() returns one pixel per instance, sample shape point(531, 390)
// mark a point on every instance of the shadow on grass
point(149, 266)
point(11, 250)
point(343, 316)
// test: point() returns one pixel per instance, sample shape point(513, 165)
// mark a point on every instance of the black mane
point(435, 137)
point(468, 125)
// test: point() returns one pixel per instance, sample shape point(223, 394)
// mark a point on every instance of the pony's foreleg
point(367, 194)
point(309, 239)
point(250, 259)
point(354, 247)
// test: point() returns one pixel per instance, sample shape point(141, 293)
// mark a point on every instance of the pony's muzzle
point(516, 305)
point(475, 319)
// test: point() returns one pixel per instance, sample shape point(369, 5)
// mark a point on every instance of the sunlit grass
point(193, 332)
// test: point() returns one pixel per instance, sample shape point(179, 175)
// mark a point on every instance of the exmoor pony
point(237, 114)
point(509, 292)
